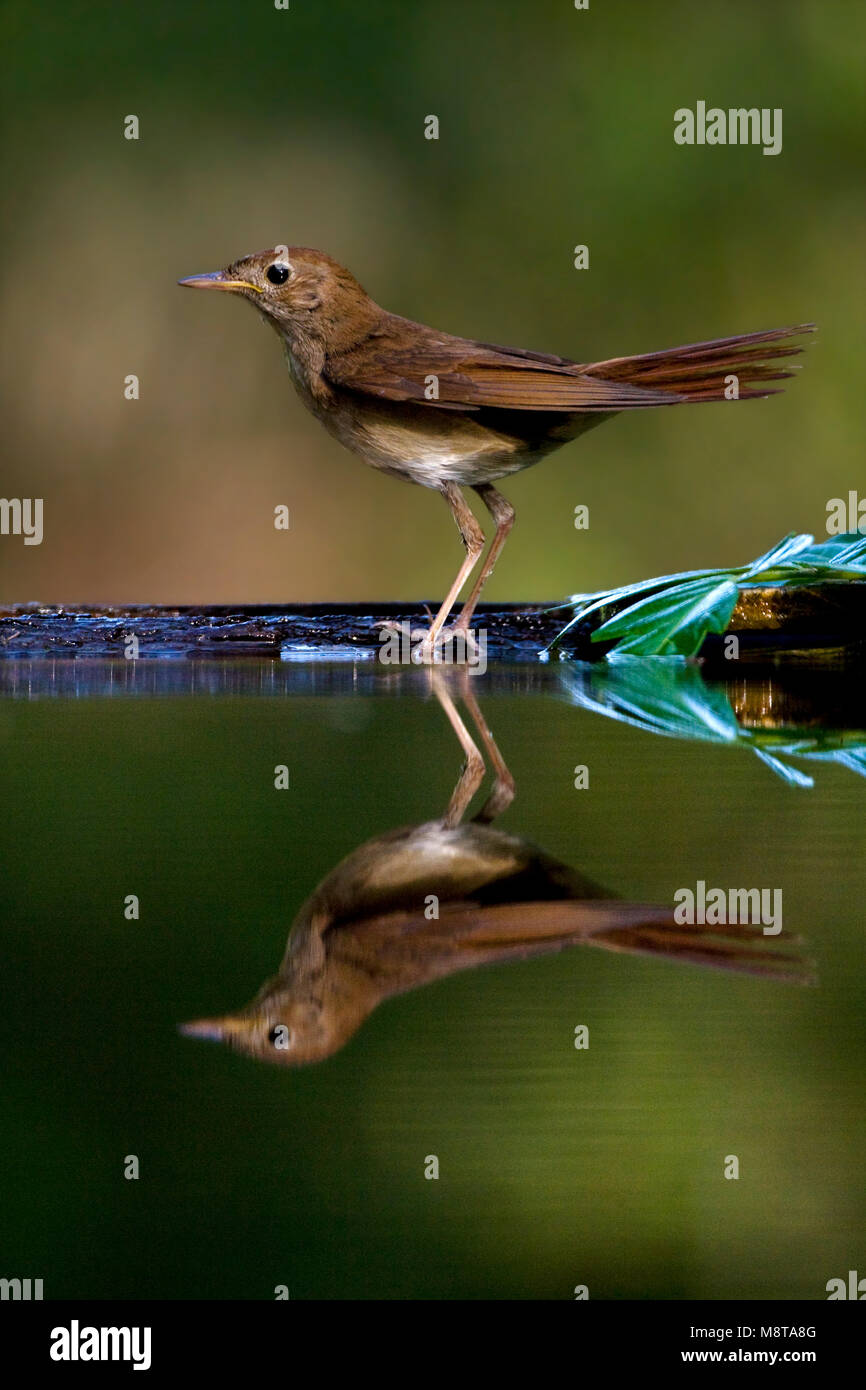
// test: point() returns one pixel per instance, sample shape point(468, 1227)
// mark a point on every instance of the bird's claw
point(425, 649)
point(431, 650)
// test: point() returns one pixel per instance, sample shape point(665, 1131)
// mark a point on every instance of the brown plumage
point(449, 412)
point(366, 936)
point(366, 933)
point(472, 375)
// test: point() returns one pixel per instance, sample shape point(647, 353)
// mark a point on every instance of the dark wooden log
point(819, 624)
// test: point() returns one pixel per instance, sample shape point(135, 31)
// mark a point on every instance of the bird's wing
point(403, 361)
point(403, 950)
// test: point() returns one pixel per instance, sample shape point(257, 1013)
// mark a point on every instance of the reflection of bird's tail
point(515, 929)
point(697, 372)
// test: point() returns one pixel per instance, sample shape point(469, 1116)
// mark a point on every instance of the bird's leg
point(473, 769)
point(503, 514)
point(502, 791)
point(473, 539)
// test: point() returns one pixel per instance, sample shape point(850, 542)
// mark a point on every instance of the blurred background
point(306, 126)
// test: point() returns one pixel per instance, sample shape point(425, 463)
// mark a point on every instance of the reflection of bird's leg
point(502, 792)
point(473, 769)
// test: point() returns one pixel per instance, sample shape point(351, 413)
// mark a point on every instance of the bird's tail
point(526, 929)
point(703, 371)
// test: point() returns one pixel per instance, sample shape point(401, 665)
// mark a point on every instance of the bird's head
point(300, 291)
point(286, 1031)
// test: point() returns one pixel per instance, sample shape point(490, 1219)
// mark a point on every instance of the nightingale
point(366, 933)
point(449, 412)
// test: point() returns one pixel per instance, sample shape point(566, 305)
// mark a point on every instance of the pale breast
point(429, 446)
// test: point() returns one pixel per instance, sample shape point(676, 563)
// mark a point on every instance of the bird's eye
point(277, 273)
point(280, 1036)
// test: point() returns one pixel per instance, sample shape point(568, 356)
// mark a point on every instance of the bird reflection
point(422, 902)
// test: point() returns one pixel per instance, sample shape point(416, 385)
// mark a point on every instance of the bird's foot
point(402, 643)
point(451, 646)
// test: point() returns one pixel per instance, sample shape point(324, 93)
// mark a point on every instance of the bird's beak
point(212, 1029)
point(218, 280)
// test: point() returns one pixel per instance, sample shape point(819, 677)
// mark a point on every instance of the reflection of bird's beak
point(213, 1029)
point(217, 280)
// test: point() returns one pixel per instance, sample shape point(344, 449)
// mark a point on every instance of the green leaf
point(852, 758)
point(670, 616)
point(675, 622)
point(673, 699)
point(591, 603)
point(851, 556)
point(785, 550)
point(666, 697)
point(791, 775)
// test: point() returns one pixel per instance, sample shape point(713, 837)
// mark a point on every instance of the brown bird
point(450, 412)
point(421, 903)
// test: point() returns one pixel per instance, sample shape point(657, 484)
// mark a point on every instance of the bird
point(423, 902)
point(450, 413)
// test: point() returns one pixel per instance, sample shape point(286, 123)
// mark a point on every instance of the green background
point(306, 126)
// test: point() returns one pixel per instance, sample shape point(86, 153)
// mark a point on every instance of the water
point(558, 1167)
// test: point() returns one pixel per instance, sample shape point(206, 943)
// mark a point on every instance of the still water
point(414, 1043)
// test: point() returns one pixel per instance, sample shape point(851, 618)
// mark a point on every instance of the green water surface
point(558, 1167)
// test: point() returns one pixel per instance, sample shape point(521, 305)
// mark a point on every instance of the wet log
point(822, 624)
